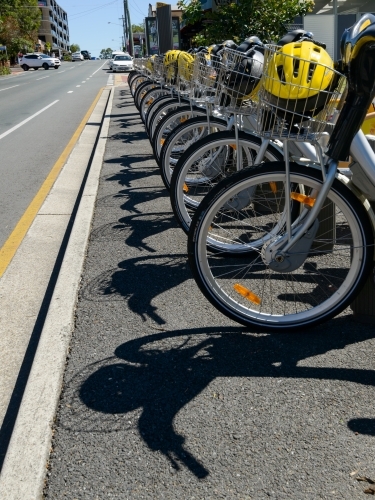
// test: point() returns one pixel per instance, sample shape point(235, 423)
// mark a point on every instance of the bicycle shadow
point(139, 281)
point(161, 373)
point(127, 175)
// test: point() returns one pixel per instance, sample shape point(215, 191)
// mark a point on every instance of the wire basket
point(157, 68)
point(238, 80)
point(139, 64)
point(297, 97)
point(204, 79)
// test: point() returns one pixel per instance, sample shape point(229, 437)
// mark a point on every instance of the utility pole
point(124, 33)
point(128, 25)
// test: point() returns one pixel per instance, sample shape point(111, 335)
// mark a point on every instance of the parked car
point(86, 54)
point(77, 56)
point(122, 63)
point(39, 60)
point(115, 54)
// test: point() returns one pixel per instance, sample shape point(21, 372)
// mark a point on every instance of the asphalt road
point(165, 398)
point(29, 150)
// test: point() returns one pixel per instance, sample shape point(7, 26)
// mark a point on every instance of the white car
point(77, 56)
point(115, 54)
point(122, 63)
point(39, 60)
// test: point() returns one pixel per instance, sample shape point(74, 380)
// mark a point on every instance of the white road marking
point(70, 92)
point(84, 81)
point(43, 78)
point(9, 88)
point(99, 68)
point(78, 85)
point(27, 120)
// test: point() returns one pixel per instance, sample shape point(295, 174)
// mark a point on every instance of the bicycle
point(276, 270)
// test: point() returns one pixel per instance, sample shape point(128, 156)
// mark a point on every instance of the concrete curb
point(25, 465)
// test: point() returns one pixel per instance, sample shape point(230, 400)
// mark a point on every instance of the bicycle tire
point(132, 74)
point(183, 136)
point(333, 272)
point(166, 108)
point(154, 107)
point(136, 81)
point(141, 91)
point(170, 122)
point(148, 98)
point(208, 161)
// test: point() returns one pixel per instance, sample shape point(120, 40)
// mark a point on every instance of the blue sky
point(88, 21)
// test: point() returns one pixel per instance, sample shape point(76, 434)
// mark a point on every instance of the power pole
point(128, 25)
point(124, 33)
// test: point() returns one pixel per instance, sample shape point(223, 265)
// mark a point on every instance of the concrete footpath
point(165, 398)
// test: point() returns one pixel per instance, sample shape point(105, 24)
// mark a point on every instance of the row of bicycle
point(249, 143)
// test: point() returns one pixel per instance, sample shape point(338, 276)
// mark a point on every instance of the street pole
point(126, 24)
point(128, 27)
point(124, 33)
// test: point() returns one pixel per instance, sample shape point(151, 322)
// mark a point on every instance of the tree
point(138, 28)
point(74, 47)
point(106, 53)
point(19, 24)
point(235, 21)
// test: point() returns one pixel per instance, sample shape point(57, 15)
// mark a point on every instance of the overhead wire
point(83, 13)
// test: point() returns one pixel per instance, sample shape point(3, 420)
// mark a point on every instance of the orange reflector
point(233, 146)
point(307, 200)
point(273, 187)
point(162, 141)
point(247, 294)
point(150, 101)
point(182, 120)
point(185, 189)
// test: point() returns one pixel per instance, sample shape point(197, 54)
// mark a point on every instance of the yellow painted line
point(12, 244)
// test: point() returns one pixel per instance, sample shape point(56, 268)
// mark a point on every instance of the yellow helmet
point(186, 65)
point(299, 70)
point(171, 56)
point(150, 63)
point(298, 76)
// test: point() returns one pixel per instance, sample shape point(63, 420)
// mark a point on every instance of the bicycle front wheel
point(181, 138)
point(207, 162)
point(243, 286)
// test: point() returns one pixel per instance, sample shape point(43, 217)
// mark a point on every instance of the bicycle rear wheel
point(243, 286)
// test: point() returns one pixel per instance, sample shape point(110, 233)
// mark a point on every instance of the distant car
point(114, 55)
point(77, 56)
point(39, 60)
point(94, 58)
point(86, 54)
point(122, 63)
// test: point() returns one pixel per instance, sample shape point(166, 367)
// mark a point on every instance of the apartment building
point(54, 26)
